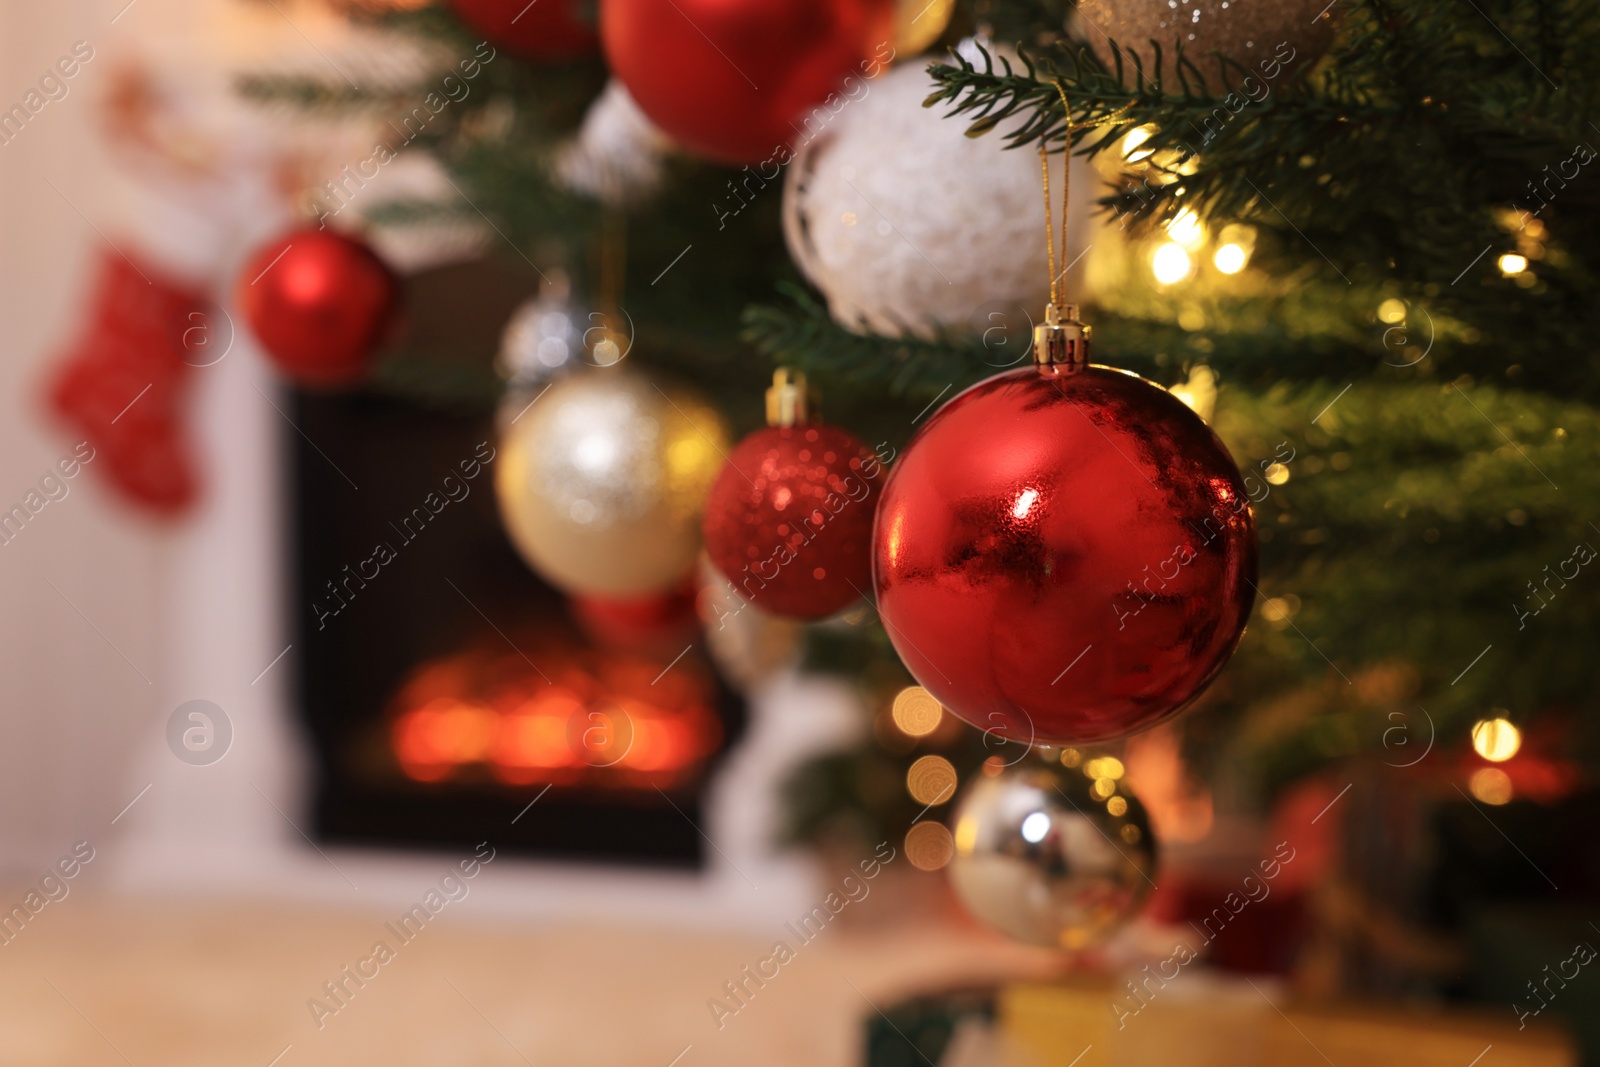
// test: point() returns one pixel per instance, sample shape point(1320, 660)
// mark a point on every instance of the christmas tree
point(1355, 238)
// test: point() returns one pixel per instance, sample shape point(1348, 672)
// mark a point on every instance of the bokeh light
point(1104, 767)
point(1231, 258)
point(1491, 785)
point(1496, 740)
point(1170, 263)
point(1187, 229)
point(931, 780)
point(916, 712)
point(929, 846)
point(1136, 137)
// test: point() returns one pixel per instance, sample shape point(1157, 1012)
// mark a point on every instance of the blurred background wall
point(72, 705)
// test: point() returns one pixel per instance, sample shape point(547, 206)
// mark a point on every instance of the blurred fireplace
point(444, 687)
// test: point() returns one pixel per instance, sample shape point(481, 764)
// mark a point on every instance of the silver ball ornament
point(1052, 856)
point(550, 334)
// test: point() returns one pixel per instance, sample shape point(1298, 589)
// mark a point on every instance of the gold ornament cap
point(790, 402)
point(1061, 342)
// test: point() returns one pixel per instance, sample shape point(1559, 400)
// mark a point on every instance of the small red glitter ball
point(789, 520)
point(320, 303)
point(1065, 559)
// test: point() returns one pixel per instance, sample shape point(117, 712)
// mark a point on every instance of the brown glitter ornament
point(1270, 38)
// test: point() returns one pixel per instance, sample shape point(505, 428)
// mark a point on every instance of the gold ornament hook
point(790, 401)
point(1061, 342)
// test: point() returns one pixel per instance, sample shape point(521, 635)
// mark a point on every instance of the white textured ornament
point(908, 226)
point(617, 156)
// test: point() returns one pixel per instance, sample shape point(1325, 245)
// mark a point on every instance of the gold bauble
point(1272, 39)
point(919, 23)
point(1052, 856)
point(601, 481)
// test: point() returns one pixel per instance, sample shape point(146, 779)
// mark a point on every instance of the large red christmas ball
point(789, 519)
point(320, 303)
point(1065, 559)
point(736, 80)
point(544, 29)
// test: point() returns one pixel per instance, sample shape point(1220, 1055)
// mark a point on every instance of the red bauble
point(1065, 559)
point(789, 520)
point(659, 622)
point(546, 29)
point(320, 303)
point(735, 79)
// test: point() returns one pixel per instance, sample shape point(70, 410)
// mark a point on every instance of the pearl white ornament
point(618, 155)
point(601, 481)
point(908, 226)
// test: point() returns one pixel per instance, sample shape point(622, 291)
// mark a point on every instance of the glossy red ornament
point(320, 303)
point(546, 29)
point(735, 80)
point(1065, 559)
point(789, 520)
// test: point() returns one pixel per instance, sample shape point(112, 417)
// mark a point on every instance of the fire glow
point(601, 719)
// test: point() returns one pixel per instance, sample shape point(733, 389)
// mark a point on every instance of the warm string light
point(1230, 259)
point(1491, 785)
point(916, 712)
point(929, 845)
point(1177, 258)
point(1496, 740)
point(931, 781)
point(1170, 263)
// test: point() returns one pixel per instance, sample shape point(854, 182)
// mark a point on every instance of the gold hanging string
point(1066, 184)
point(1049, 230)
point(1061, 342)
point(613, 255)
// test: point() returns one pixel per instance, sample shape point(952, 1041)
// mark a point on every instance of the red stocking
point(123, 381)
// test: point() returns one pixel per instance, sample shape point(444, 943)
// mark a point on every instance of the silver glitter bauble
point(550, 334)
point(1271, 39)
point(1052, 856)
point(601, 480)
point(542, 338)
